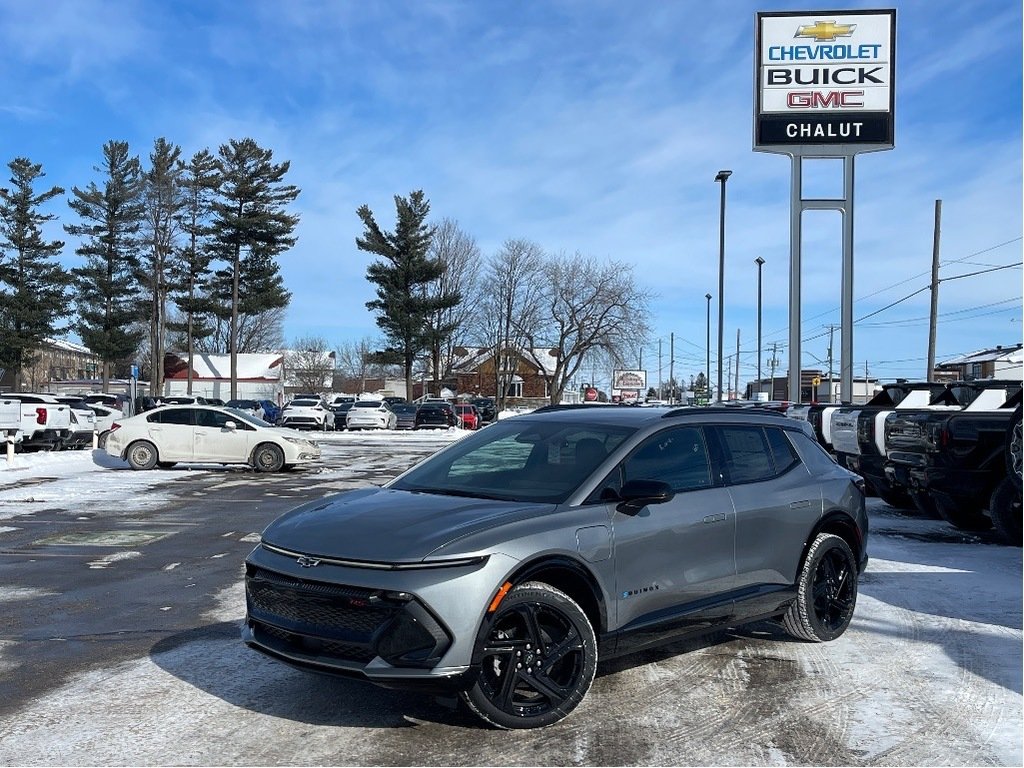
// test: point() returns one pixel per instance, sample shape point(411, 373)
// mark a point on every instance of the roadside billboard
point(629, 379)
point(824, 78)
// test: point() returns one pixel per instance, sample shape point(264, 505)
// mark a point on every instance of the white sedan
point(370, 414)
point(170, 434)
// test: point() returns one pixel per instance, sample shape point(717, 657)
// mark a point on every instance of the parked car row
point(39, 421)
point(951, 451)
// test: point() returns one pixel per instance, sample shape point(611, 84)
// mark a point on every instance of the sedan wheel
point(142, 455)
point(538, 657)
point(268, 458)
point(826, 591)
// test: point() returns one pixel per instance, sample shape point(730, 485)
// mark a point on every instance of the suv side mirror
point(637, 494)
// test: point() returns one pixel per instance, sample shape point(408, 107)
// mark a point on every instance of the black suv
point(488, 410)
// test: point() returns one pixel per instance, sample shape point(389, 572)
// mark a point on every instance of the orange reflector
point(499, 597)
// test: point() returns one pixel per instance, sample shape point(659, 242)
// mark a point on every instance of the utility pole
point(831, 331)
point(935, 292)
point(672, 367)
point(771, 364)
point(661, 391)
point(736, 389)
point(728, 378)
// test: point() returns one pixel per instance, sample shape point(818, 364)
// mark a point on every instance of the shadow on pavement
point(213, 659)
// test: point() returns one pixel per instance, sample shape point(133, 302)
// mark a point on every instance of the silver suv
point(506, 565)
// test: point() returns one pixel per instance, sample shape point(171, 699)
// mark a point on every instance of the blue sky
point(585, 126)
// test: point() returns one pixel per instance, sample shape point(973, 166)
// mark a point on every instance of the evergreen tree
point(403, 305)
point(190, 270)
point(32, 285)
point(107, 289)
point(251, 227)
point(163, 200)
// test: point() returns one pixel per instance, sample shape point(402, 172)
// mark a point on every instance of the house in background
point(997, 363)
point(480, 371)
point(260, 376)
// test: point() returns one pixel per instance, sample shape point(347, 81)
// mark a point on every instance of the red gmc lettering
point(830, 99)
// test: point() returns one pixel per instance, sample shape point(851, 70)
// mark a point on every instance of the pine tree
point(190, 270)
point(404, 308)
point(32, 286)
point(251, 227)
point(163, 200)
point(108, 293)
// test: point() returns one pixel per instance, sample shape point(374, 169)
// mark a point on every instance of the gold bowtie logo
point(825, 30)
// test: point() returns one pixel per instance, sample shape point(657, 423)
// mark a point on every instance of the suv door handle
point(800, 504)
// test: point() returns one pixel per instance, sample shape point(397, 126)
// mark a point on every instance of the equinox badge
point(308, 562)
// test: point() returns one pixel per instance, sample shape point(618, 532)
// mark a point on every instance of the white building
point(260, 376)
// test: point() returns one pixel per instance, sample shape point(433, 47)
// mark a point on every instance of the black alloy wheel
point(537, 656)
point(826, 591)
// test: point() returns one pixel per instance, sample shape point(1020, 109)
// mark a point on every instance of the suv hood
point(390, 526)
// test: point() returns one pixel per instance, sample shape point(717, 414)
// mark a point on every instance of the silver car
point(505, 566)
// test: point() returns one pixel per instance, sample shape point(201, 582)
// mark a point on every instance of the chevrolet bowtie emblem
point(825, 30)
point(308, 562)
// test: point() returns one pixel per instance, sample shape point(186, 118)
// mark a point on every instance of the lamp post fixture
point(722, 176)
point(707, 372)
point(760, 263)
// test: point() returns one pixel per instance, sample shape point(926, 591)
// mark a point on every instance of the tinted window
point(173, 416)
point(814, 456)
point(214, 419)
point(747, 455)
point(678, 457)
point(782, 450)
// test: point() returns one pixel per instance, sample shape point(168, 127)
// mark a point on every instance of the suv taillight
point(40, 415)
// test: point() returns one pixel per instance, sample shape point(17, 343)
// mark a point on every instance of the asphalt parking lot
point(122, 596)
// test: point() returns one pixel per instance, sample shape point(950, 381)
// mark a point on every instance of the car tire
point(268, 458)
point(826, 591)
point(542, 687)
point(895, 499)
point(1005, 510)
point(142, 454)
point(925, 505)
point(966, 517)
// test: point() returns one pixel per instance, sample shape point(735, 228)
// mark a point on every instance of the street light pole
point(707, 374)
point(722, 177)
point(760, 263)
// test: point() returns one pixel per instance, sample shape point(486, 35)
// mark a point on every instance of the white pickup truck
point(10, 421)
point(45, 422)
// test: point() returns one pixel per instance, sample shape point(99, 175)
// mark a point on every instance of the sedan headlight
point(297, 441)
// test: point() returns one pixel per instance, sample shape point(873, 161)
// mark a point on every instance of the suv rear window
point(747, 455)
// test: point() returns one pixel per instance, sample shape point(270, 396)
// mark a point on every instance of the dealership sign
point(632, 379)
point(824, 78)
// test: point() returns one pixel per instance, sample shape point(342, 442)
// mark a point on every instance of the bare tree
point(260, 332)
point(585, 308)
point(509, 305)
point(310, 363)
point(449, 326)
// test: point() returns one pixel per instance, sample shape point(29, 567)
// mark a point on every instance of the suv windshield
point(518, 460)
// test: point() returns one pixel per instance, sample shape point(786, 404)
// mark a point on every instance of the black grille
point(316, 617)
